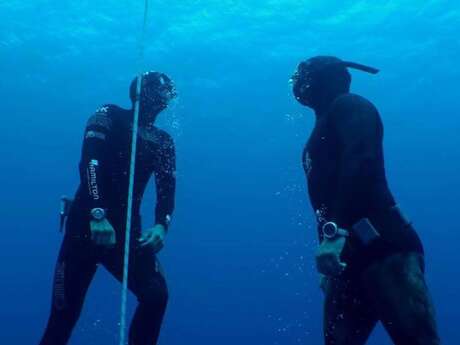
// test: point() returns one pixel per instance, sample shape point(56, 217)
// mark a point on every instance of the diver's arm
point(359, 132)
point(94, 151)
point(165, 178)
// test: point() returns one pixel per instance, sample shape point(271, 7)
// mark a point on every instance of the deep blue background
point(239, 257)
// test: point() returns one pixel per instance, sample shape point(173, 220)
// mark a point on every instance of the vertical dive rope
point(132, 169)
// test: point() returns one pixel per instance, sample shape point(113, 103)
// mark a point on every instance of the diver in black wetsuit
point(370, 259)
point(97, 218)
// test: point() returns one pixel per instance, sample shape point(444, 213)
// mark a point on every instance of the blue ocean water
point(239, 256)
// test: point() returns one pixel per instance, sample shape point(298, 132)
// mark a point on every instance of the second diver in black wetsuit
point(97, 218)
point(370, 257)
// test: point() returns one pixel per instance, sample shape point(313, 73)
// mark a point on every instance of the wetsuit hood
point(319, 80)
point(157, 90)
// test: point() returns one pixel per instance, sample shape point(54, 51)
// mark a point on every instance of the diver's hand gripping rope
point(132, 169)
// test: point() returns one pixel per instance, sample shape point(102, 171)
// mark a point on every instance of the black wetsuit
point(344, 165)
point(104, 171)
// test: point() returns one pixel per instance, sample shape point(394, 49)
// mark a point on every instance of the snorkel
point(360, 67)
point(319, 80)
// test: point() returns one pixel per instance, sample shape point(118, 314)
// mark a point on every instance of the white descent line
point(132, 169)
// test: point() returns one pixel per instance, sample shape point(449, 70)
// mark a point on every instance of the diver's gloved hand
point(154, 237)
point(328, 260)
point(102, 233)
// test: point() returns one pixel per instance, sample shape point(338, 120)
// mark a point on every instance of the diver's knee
point(162, 297)
point(155, 297)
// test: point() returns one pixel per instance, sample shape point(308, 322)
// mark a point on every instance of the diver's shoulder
point(351, 108)
point(158, 136)
point(164, 136)
point(101, 117)
point(353, 101)
point(110, 110)
point(106, 116)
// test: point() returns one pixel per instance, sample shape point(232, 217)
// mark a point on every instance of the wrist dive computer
point(98, 213)
point(363, 231)
point(330, 231)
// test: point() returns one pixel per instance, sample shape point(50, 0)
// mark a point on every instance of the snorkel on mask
point(322, 74)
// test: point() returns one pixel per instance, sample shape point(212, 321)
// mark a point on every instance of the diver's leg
point(73, 274)
point(402, 299)
point(147, 282)
point(348, 320)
